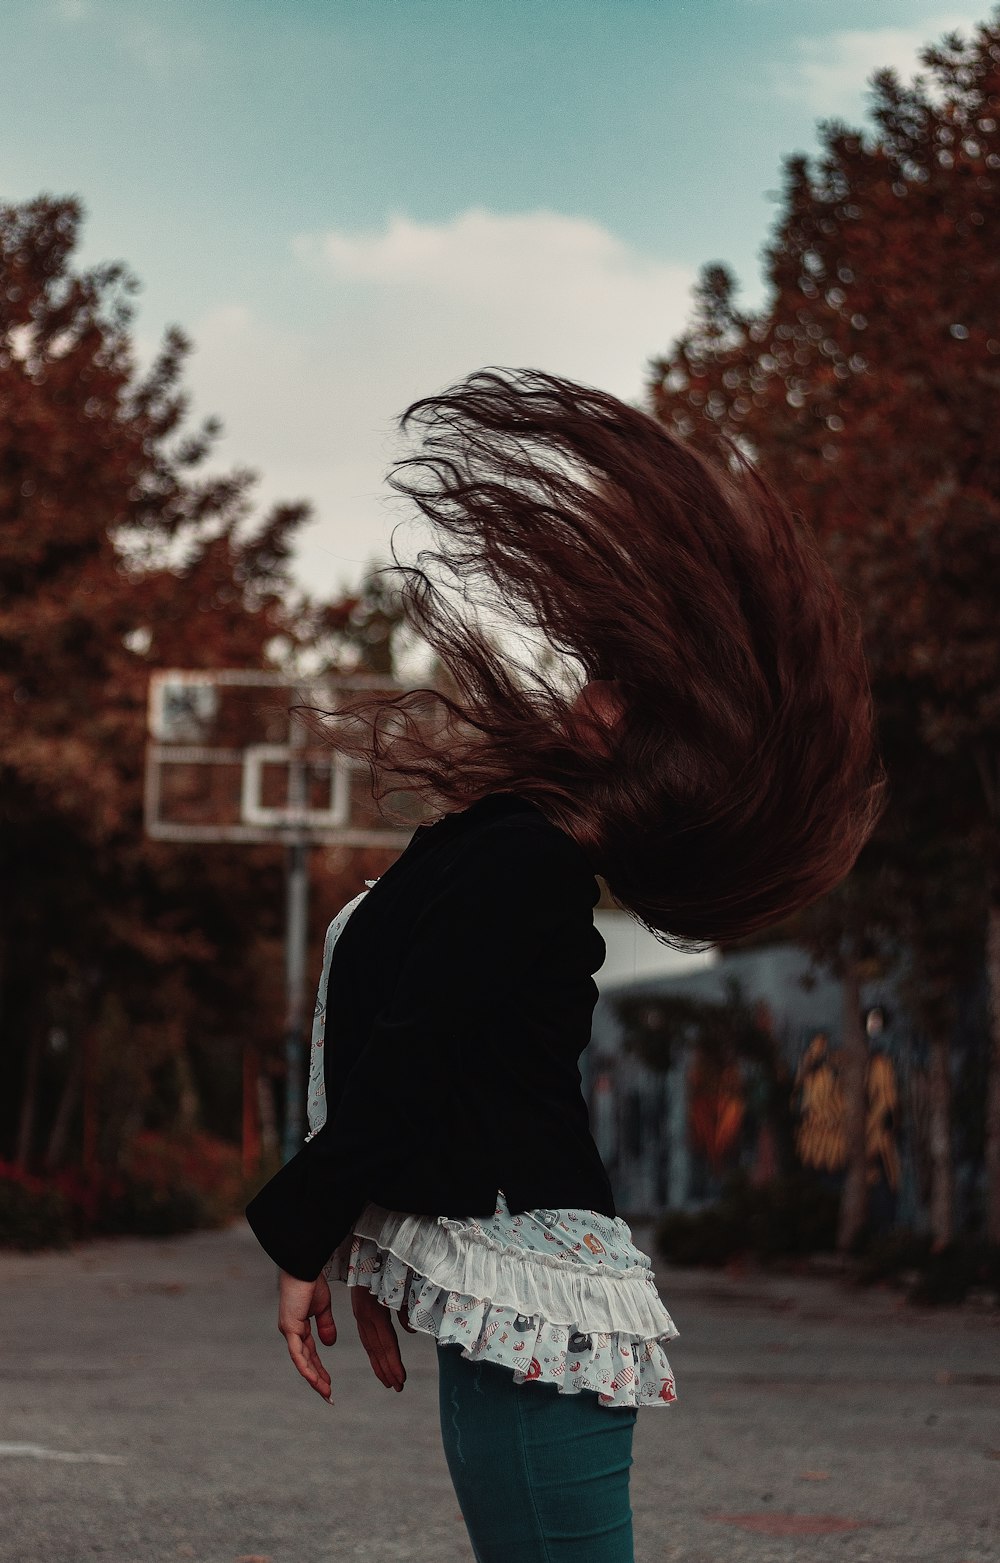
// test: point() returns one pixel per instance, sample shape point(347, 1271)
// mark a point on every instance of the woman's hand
point(298, 1302)
point(379, 1338)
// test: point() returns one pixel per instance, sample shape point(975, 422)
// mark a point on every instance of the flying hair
point(740, 780)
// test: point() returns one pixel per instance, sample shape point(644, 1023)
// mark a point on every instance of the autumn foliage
point(133, 974)
point(136, 976)
point(867, 387)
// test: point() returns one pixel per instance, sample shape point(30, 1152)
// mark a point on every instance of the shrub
point(165, 1185)
point(133, 1208)
point(790, 1216)
point(33, 1213)
point(797, 1216)
point(945, 1275)
point(705, 1237)
point(950, 1274)
point(170, 1184)
point(892, 1256)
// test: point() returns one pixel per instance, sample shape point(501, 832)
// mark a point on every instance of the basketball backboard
point(228, 759)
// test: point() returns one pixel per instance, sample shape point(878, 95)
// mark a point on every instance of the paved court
point(148, 1414)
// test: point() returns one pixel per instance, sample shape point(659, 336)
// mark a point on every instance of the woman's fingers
point(375, 1357)
point(378, 1355)
point(302, 1350)
point(378, 1338)
point(321, 1378)
point(298, 1302)
point(326, 1329)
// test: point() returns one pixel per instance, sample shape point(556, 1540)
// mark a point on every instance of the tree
point(361, 629)
point(119, 554)
point(866, 387)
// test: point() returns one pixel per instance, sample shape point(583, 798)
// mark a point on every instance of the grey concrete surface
point(148, 1413)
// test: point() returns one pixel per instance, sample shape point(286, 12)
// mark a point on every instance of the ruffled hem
point(560, 1291)
point(623, 1367)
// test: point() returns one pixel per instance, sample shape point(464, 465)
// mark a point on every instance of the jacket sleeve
point(481, 927)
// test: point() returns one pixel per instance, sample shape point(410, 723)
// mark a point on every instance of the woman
point(715, 766)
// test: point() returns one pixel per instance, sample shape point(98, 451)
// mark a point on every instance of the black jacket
point(461, 996)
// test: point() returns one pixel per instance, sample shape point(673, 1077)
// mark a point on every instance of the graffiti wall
point(674, 1115)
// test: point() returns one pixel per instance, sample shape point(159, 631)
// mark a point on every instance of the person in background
point(673, 698)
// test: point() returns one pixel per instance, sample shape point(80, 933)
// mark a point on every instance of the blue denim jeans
point(541, 1477)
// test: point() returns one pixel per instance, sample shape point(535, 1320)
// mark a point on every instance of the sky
point(346, 205)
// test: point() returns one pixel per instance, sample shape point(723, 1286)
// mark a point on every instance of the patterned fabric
point(557, 1296)
point(316, 1099)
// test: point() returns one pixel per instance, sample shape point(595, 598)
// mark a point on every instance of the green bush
point(949, 1275)
point(946, 1275)
point(130, 1207)
point(788, 1217)
point(891, 1256)
point(797, 1216)
point(171, 1184)
point(165, 1185)
point(705, 1237)
point(33, 1214)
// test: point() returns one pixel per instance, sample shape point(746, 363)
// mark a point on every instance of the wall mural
point(817, 1098)
point(716, 1108)
point(818, 1101)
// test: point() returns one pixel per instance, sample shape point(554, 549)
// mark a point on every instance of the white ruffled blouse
point(557, 1296)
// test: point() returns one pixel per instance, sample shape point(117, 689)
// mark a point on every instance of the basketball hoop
point(230, 761)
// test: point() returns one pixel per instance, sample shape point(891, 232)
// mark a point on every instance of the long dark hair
point(740, 781)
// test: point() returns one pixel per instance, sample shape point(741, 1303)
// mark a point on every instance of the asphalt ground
point(149, 1413)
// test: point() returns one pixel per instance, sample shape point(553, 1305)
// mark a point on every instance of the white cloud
point(829, 72)
point(403, 311)
point(137, 33)
point(145, 43)
point(539, 287)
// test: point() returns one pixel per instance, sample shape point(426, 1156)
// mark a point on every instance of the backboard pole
point(217, 737)
point(296, 940)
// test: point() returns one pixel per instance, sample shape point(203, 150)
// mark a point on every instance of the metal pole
point(296, 938)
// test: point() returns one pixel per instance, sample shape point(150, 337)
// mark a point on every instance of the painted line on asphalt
point(39, 1452)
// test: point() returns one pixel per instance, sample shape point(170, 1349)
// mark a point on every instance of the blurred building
point(640, 1117)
